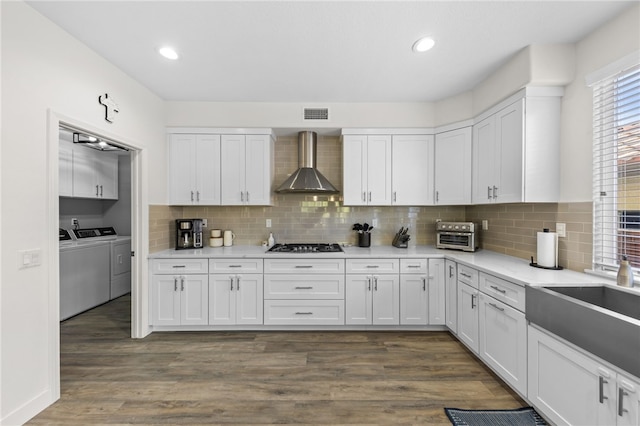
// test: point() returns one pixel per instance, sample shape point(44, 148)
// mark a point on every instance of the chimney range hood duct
point(307, 178)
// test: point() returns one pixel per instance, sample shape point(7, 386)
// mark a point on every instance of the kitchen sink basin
point(602, 320)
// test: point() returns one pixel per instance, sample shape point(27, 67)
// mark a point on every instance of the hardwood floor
point(263, 377)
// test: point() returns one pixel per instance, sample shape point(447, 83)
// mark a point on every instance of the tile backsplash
point(324, 218)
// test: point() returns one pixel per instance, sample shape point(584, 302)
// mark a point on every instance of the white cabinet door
point(222, 302)
point(468, 316)
point(484, 161)
point(628, 401)
point(503, 341)
point(106, 169)
point(379, 170)
point(358, 299)
point(258, 170)
point(165, 300)
point(509, 146)
point(65, 169)
point(182, 166)
point(367, 170)
point(249, 299)
point(412, 165)
point(85, 183)
point(453, 167)
point(413, 299)
point(207, 170)
point(194, 300)
point(386, 299)
point(566, 386)
point(232, 167)
point(436, 288)
point(451, 284)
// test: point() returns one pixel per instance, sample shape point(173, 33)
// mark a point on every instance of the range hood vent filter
point(307, 179)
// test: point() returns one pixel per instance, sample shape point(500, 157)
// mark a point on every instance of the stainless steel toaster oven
point(457, 236)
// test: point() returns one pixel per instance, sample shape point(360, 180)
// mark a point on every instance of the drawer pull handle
point(304, 288)
point(413, 266)
point(373, 266)
point(235, 266)
point(304, 266)
point(601, 383)
point(497, 307)
point(498, 289)
point(179, 266)
point(465, 275)
point(304, 313)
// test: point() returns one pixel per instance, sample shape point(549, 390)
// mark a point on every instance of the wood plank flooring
point(345, 377)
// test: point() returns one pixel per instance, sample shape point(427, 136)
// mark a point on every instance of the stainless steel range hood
point(307, 178)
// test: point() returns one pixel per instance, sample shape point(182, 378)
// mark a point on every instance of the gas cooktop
point(306, 248)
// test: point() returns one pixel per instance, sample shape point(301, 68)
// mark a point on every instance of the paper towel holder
point(554, 268)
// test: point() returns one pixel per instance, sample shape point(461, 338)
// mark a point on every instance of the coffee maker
point(188, 234)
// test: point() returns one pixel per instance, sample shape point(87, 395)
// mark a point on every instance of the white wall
point(618, 38)
point(45, 68)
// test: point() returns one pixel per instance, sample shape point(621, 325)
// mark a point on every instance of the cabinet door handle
point(424, 284)
point(181, 283)
point(247, 196)
point(231, 279)
point(303, 288)
point(489, 192)
point(197, 195)
point(101, 190)
point(621, 394)
point(450, 271)
point(497, 307)
point(369, 283)
point(364, 197)
point(375, 283)
point(175, 284)
point(495, 192)
point(369, 196)
point(304, 266)
point(499, 290)
point(437, 196)
point(191, 195)
point(473, 300)
point(394, 196)
point(96, 190)
point(601, 396)
point(237, 283)
point(242, 196)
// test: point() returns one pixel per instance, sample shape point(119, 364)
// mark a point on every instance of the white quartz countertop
point(502, 266)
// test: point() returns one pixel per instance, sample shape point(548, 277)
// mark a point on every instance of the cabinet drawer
point(468, 275)
point(373, 266)
point(304, 312)
point(304, 266)
point(415, 266)
point(320, 286)
point(180, 266)
point(235, 265)
point(505, 291)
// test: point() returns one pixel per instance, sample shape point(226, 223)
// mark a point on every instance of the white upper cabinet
point(246, 169)
point(516, 150)
point(367, 170)
point(95, 174)
point(65, 169)
point(453, 167)
point(412, 164)
point(194, 169)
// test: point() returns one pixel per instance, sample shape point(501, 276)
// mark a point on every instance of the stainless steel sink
point(600, 319)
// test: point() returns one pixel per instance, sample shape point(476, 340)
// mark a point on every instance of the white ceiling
point(319, 51)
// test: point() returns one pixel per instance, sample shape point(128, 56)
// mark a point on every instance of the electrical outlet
point(561, 229)
point(205, 222)
point(74, 221)
point(268, 224)
point(485, 225)
point(374, 223)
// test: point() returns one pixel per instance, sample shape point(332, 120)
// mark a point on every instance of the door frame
point(139, 234)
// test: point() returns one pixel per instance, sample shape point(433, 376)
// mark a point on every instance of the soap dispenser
point(625, 274)
point(271, 241)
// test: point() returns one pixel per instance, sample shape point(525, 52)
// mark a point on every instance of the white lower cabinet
point(503, 341)
point(573, 388)
point(468, 316)
point(179, 299)
point(413, 299)
point(451, 296)
point(436, 290)
point(235, 299)
point(372, 299)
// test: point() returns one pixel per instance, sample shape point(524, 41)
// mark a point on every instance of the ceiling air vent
point(316, 113)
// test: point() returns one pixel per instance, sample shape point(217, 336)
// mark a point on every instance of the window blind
point(616, 169)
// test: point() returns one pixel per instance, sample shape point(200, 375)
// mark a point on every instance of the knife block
point(401, 240)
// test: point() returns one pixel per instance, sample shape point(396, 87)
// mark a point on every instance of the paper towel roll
point(548, 249)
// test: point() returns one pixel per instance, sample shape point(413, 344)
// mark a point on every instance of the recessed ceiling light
point(423, 44)
point(168, 53)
